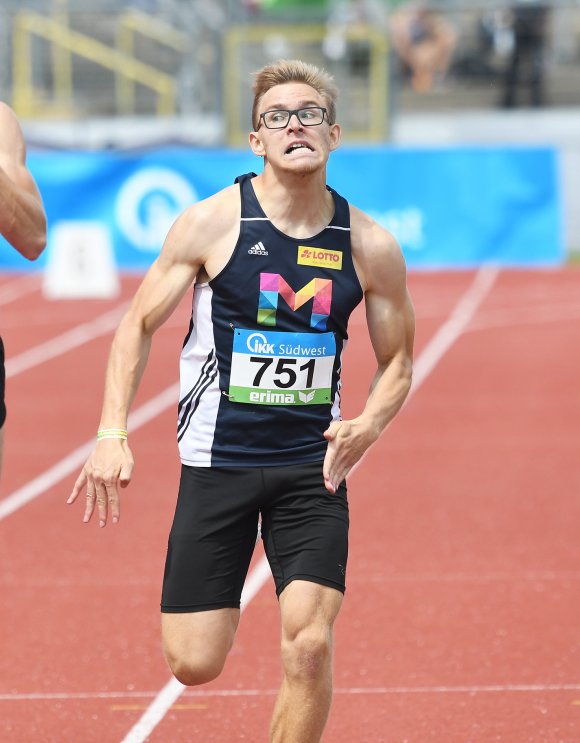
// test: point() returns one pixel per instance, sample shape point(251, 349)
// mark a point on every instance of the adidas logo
point(258, 249)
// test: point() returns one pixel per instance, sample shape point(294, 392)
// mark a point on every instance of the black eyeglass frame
point(297, 112)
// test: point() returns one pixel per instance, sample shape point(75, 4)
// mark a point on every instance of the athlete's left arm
point(391, 326)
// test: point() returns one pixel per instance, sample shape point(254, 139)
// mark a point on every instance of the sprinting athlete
point(280, 261)
point(22, 218)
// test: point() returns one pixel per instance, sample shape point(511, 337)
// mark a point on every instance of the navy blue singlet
point(260, 366)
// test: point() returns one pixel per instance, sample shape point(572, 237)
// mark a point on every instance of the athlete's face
point(296, 147)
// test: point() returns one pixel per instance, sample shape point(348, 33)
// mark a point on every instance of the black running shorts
point(2, 385)
point(304, 528)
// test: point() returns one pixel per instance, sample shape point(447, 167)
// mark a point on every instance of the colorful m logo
point(272, 285)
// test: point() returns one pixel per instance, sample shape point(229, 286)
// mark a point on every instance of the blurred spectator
point(526, 65)
point(350, 15)
point(425, 43)
point(496, 34)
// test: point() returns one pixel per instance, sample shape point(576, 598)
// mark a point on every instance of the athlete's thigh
point(306, 605)
point(211, 540)
point(205, 636)
point(305, 528)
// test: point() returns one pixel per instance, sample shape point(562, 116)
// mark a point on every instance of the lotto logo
point(320, 257)
point(258, 249)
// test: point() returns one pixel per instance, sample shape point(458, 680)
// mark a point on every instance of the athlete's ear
point(256, 144)
point(335, 135)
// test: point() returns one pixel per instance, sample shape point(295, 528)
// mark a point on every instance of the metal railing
point(135, 23)
point(106, 59)
point(66, 42)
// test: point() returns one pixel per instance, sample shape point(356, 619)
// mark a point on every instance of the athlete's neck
point(300, 206)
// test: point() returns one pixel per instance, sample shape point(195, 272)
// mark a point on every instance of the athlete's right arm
point(110, 465)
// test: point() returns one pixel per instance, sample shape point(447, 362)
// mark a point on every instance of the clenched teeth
point(295, 147)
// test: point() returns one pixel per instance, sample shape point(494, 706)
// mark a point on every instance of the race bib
point(273, 368)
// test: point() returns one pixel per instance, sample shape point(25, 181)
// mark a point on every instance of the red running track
point(461, 620)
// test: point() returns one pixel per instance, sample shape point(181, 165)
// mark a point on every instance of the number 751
point(284, 368)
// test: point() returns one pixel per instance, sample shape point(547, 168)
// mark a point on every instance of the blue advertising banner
point(461, 207)
point(456, 207)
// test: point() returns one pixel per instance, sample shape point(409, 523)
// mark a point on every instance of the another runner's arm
point(22, 217)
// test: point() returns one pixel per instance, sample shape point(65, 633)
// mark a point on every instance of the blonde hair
point(294, 71)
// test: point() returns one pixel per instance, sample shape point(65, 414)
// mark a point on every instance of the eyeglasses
point(279, 119)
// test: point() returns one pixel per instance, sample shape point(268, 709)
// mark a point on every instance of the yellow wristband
point(111, 433)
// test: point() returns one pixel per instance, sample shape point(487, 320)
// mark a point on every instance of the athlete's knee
point(193, 669)
point(306, 655)
point(196, 645)
point(194, 661)
point(308, 614)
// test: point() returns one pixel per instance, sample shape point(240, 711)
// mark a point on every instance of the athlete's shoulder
point(204, 225)
point(375, 250)
point(370, 239)
point(212, 217)
point(216, 212)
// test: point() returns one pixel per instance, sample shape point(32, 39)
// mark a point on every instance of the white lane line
point(454, 326)
point(73, 461)
point(441, 342)
point(20, 287)
point(73, 338)
point(173, 689)
point(354, 690)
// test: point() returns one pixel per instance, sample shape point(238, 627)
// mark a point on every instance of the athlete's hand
point(347, 442)
point(109, 467)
